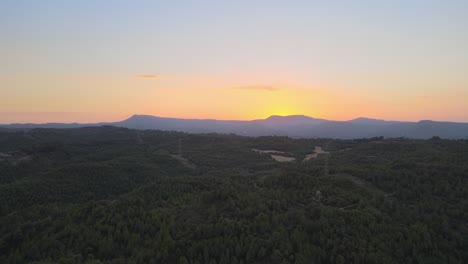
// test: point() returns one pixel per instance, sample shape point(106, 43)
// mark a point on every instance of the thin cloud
point(144, 76)
point(187, 79)
point(258, 88)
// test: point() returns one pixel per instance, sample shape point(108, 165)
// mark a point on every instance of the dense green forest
point(114, 195)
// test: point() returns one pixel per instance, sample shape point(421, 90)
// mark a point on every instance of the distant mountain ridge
point(297, 126)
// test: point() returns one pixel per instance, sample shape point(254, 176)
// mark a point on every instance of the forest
point(115, 195)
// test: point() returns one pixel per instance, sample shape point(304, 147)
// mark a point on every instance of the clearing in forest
point(274, 155)
point(317, 151)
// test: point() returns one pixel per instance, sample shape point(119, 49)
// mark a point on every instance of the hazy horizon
point(87, 118)
point(90, 61)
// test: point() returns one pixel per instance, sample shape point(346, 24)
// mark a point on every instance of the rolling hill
point(296, 126)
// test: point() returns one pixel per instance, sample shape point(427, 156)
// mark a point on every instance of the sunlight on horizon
point(400, 61)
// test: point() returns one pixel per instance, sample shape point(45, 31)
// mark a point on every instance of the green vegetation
point(114, 195)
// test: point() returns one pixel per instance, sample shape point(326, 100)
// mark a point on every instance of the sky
point(91, 61)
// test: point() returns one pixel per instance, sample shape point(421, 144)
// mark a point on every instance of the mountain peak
point(370, 121)
point(290, 117)
point(137, 117)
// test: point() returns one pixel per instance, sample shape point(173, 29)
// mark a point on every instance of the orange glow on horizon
point(87, 99)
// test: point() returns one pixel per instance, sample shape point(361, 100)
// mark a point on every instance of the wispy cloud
point(146, 76)
point(185, 79)
point(258, 88)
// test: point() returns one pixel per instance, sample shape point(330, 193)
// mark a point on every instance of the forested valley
point(115, 195)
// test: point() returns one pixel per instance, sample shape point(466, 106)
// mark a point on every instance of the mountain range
point(296, 126)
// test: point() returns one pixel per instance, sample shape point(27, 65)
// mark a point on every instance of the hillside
point(297, 126)
point(116, 195)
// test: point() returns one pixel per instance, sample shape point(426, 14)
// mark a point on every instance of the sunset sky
point(90, 61)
